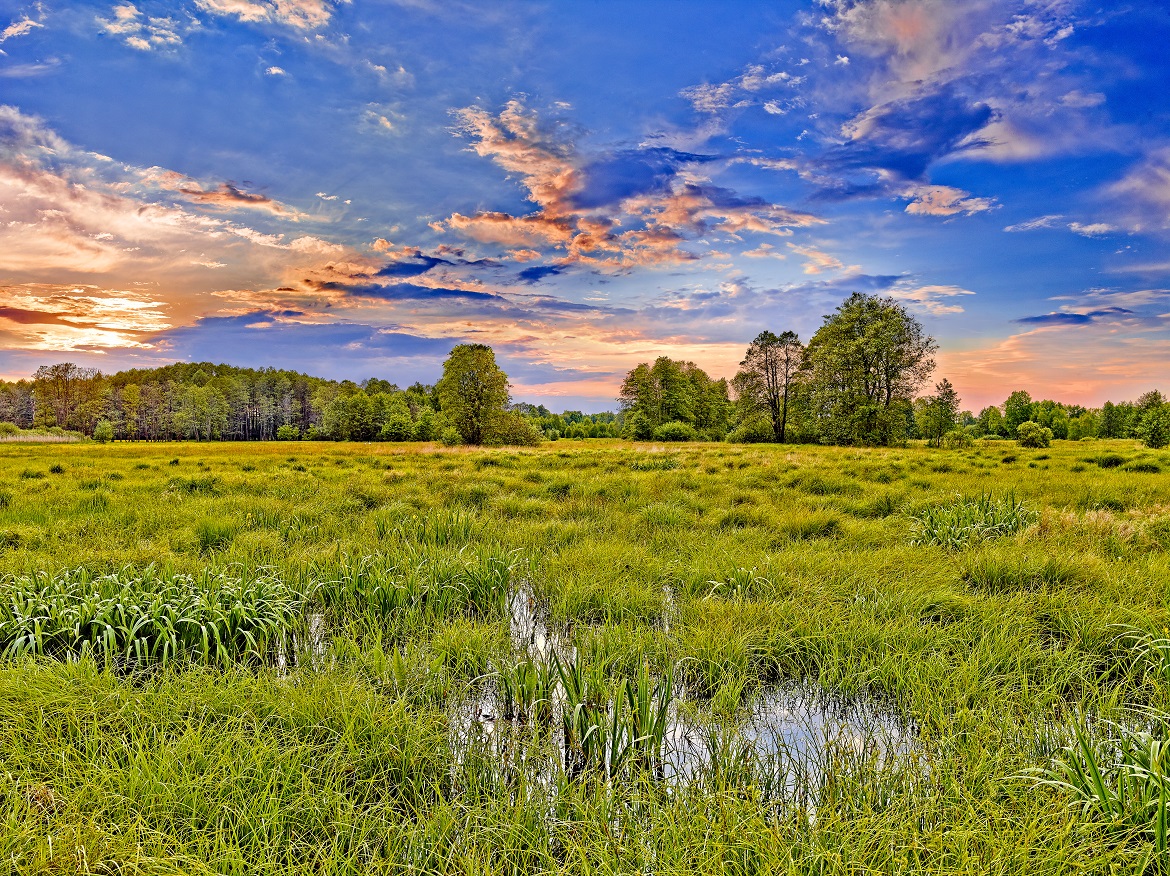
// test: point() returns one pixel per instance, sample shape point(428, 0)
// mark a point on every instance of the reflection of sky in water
point(786, 735)
point(792, 730)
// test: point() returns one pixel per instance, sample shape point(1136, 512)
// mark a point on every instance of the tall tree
point(937, 414)
point(473, 391)
point(767, 374)
point(864, 365)
point(1018, 408)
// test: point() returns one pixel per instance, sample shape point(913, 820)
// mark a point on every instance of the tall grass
point(958, 524)
point(146, 618)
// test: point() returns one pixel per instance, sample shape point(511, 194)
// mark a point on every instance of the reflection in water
point(787, 740)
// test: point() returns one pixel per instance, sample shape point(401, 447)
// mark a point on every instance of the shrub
point(8, 429)
point(755, 431)
point(1144, 467)
point(957, 439)
point(675, 431)
point(638, 427)
point(450, 437)
point(1031, 434)
point(103, 432)
point(512, 429)
point(1109, 460)
point(397, 428)
point(288, 432)
point(315, 433)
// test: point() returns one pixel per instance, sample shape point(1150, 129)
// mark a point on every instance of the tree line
point(857, 381)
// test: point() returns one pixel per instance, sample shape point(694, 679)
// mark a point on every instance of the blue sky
point(351, 188)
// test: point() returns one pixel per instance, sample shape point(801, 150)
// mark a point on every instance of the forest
point(858, 381)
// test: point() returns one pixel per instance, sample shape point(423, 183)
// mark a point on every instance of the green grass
point(355, 601)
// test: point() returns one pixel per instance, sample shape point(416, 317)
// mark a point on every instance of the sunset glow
point(350, 188)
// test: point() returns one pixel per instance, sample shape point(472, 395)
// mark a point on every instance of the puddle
point(304, 648)
point(786, 740)
point(528, 625)
point(789, 735)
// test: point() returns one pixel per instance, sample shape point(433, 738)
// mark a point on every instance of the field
point(587, 657)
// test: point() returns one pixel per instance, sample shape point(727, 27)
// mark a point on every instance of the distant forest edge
point(858, 381)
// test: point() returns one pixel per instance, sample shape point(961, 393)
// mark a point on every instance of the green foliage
point(288, 432)
point(675, 431)
point(144, 617)
point(670, 391)
point(103, 432)
point(473, 392)
point(1030, 434)
point(864, 365)
point(964, 522)
point(511, 429)
point(1153, 429)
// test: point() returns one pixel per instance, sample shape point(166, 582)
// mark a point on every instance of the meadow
point(583, 657)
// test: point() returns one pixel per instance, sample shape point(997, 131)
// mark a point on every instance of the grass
point(360, 599)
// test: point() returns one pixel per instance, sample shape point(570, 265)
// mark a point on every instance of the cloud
point(626, 208)
point(1049, 221)
point(145, 33)
point(225, 196)
point(1092, 229)
point(19, 28)
point(906, 136)
point(275, 71)
point(299, 14)
point(817, 262)
point(66, 317)
point(1142, 195)
point(1072, 317)
point(935, 300)
point(537, 273)
point(930, 200)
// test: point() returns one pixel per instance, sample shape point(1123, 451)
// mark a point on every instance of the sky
point(349, 188)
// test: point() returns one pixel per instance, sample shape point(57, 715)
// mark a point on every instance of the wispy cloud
point(299, 14)
point(142, 32)
point(630, 207)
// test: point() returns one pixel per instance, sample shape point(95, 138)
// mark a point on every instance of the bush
point(513, 429)
point(755, 431)
point(1031, 434)
point(1109, 460)
point(427, 426)
point(397, 428)
point(675, 431)
point(9, 429)
point(103, 432)
point(638, 427)
point(315, 433)
point(1154, 427)
point(288, 432)
point(450, 437)
point(957, 439)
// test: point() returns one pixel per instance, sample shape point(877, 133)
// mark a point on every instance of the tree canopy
point(473, 392)
point(864, 366)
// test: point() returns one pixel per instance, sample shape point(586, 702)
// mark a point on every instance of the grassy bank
point(315, 620)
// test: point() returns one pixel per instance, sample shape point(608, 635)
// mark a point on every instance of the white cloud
point(144, 33)
point(18, 28)
point(1034, 224)
point(1092, 229)
point(300, 14)
point(945, 201)
point(276, 71)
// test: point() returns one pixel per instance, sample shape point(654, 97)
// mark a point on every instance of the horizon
point(350, 192)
